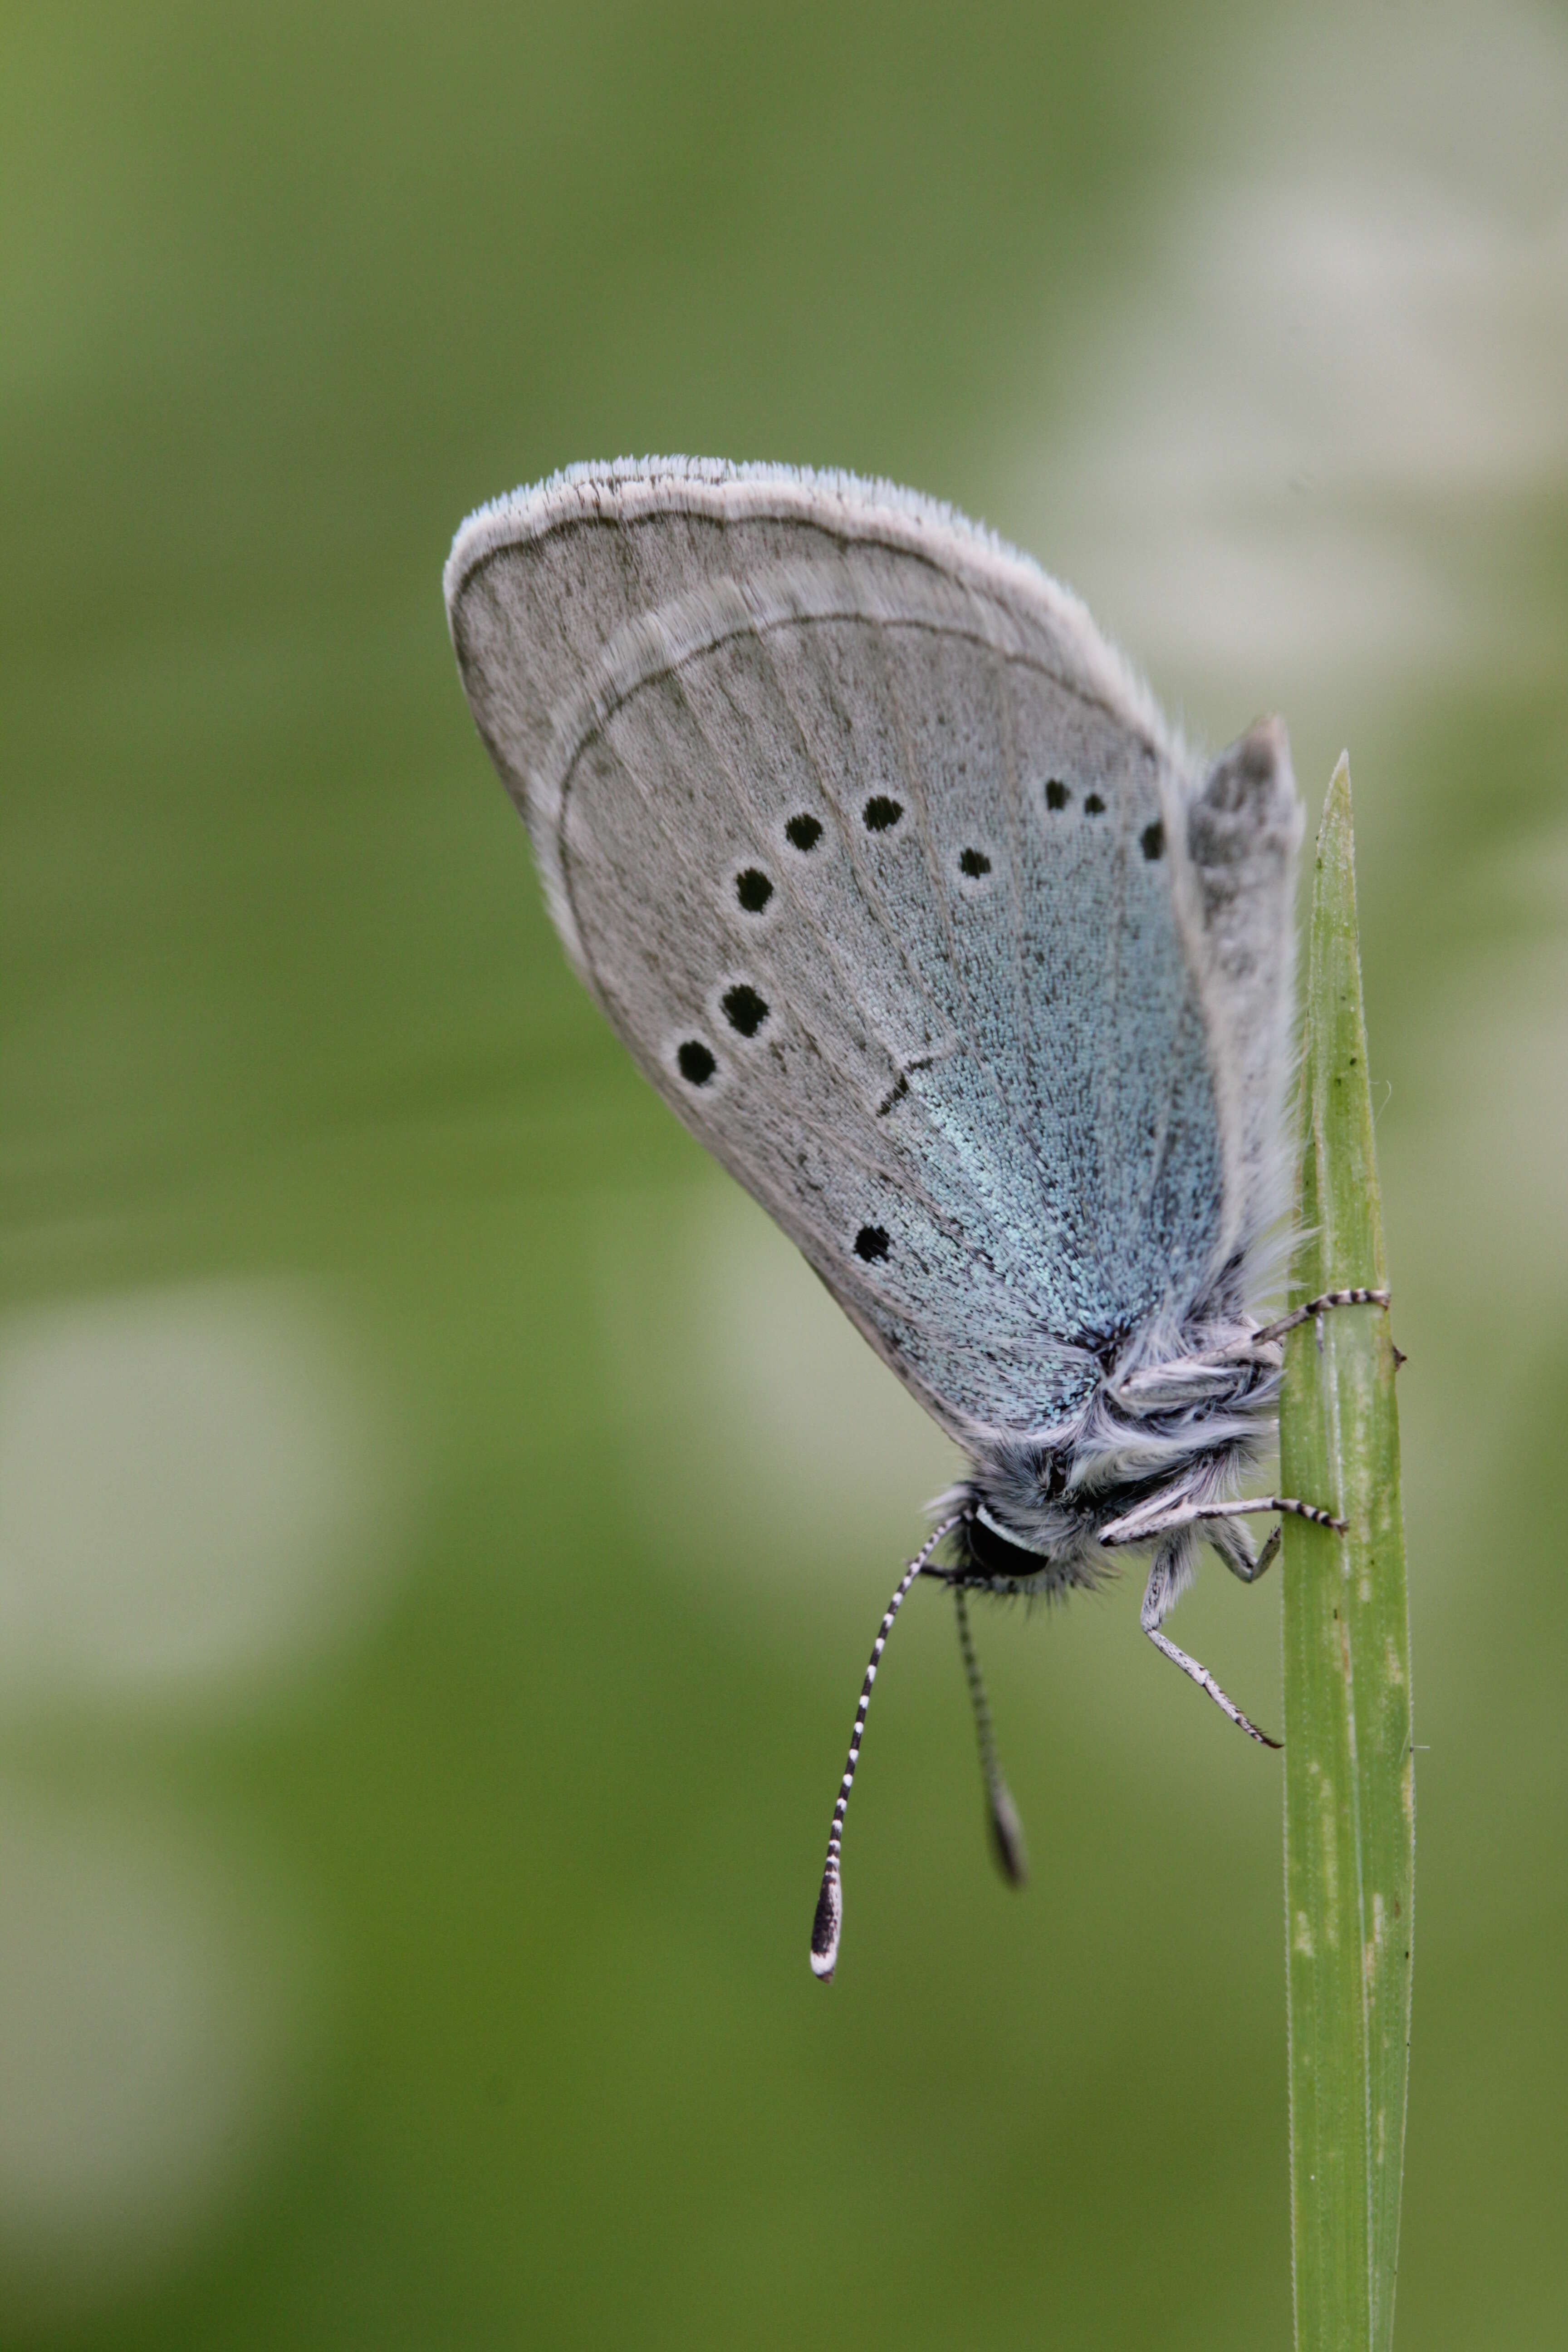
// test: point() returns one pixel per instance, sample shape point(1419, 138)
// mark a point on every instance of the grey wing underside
point(892, 881)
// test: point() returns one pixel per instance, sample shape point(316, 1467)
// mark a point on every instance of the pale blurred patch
point(1476, 1167)
point(196, 1485)
point(1291, 446)
point(769, 1443)
point(156, 2010)
point(1492, 1079)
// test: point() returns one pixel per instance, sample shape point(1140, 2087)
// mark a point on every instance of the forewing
point(859, 833)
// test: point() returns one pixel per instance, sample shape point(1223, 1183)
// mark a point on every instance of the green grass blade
point(1348, 1763)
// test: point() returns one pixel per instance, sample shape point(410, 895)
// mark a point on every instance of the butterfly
point(896, 884)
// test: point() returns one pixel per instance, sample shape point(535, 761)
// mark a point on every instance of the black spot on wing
point(882, 813)
point(804, 832)
point(744, 1010)
point(1057, 794)
point(753, 889)
point(695, 1062)
point(871, 1243)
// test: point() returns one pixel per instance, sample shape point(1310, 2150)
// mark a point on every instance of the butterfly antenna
point(1007, 1829)
point(829, 1917)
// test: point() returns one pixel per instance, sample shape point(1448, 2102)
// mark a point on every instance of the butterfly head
point(1035, 1514)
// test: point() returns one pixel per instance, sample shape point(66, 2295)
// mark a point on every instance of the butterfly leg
point(1167, 1580)
point(1006, 1830)
point(1183, 1377)
point(1138, 1527)
point(1230, 1539)
point(1320, 1305)
point(1286, 1504)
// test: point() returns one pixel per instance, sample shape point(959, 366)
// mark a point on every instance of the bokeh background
point(441, 1525)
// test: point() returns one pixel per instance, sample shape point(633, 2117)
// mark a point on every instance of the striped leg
point(1138, 1527)
point(825, 1926)
point(1320, 1306)
point(1284, 1503)
point(1007, 1829)
point(1244, 1350)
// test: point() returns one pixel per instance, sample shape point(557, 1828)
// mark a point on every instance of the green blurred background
point(441, 1526)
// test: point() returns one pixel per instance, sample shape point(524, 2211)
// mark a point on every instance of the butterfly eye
point(882, 813)
point(1057, 794)
point(753, 889)
point(1152, 838)
point(695, 1064)
point(803, 832)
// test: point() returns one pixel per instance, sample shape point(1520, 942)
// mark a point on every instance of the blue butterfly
point(903, 894)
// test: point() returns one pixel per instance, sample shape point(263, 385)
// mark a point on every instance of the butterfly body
point(1036, 1517)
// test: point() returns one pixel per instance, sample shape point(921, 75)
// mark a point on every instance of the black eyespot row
point(871, 1243)
point(1094, 805)
point(695, 1064)
point(1057, 794)
point(803, 832)
point(882, 813)
point(753, 889)
point(1152, 838)
point(974, 863)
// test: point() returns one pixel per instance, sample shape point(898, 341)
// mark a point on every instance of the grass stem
point(1348, 1763)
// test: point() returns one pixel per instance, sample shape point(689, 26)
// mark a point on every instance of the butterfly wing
point(877, 859)
point(1234, 884)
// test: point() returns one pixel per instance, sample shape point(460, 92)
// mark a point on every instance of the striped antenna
point(1007, 1829)
point(829, 1917)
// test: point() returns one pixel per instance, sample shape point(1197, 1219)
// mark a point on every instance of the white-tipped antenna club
point(829, 1918)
